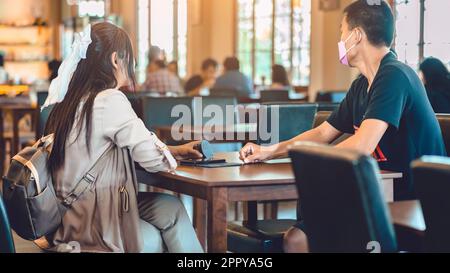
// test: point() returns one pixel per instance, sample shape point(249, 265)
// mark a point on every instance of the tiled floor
point(23, 246)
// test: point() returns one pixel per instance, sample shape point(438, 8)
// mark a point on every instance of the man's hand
point(253, 153)
point(186, 151)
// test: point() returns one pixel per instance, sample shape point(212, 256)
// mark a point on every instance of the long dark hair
point(436, 75)
point(92, 76)
point(279, 75)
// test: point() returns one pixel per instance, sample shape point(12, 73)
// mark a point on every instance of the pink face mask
point(343, 52)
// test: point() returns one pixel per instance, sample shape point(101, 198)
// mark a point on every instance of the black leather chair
point(328, 106)
point(293, 119)
point(6, 239)
point(273, 96)
point(266, 236)
point(334, 96)
point(158, 111)
point(224, 92)
point(444, 122)
point(263, 236)
point(341, 204)
point(42, 121)
point(135, 99)
point(41, 97)
point(432, 183)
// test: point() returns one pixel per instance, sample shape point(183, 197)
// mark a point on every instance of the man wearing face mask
point(386, 109)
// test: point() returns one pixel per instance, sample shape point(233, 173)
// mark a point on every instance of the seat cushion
point(265, 236)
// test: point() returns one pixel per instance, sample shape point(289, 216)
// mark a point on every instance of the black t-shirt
point(398, 97)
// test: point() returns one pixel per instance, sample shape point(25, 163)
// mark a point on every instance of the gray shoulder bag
point(29, 195)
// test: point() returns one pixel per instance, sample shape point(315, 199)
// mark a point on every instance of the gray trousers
point(165, 225)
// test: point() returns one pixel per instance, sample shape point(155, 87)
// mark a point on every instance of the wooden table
point(18, 111)
point(272, 181)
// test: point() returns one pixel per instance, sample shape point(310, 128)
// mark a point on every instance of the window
point(91, 8)
point(436, 37)
point(274, 32)
point(162, 23)
point(419, 30)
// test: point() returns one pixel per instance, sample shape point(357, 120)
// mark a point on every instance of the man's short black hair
point(209, 63)
point(232, 64)
point(375, 18)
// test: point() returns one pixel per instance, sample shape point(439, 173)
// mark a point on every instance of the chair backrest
point(42, 121)
point(432, 183)
point(212, 105)
point(271, 96)
point(328, 106)
point(135, 99)
point(444, 122)
point(224, 92)
point(331, 96)
point(6, 239)
point(320, 118)
point(341, 203)
point(293, 119)
point(157, 112)
point(41, 97)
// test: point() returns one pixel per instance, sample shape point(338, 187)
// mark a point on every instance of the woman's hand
point(253, 153)
point(187, 151)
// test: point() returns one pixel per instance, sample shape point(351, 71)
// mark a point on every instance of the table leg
point(252, 213)
point(15, 139)
point(200, 216)
point(388, 190)
point(2, 144)
point(217, 220)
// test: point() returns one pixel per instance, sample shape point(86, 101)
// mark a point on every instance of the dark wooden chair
point(432, 182)
point(320, 118)
point(346, 217)
point(444, 122)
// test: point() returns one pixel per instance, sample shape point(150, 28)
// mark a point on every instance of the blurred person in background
point(53, 67)
point(280, 79)
point(205, 80)
point(174, 69)
point(436, 78)
point(234, 79)
point(161, 80)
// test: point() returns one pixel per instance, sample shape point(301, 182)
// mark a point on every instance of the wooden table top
point(274, 172)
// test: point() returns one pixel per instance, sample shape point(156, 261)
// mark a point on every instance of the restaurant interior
point(286, 79)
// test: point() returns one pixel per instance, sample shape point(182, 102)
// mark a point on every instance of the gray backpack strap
point(87, 181)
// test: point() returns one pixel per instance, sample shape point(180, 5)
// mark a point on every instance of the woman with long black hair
point(91, 118)
point(436, 78)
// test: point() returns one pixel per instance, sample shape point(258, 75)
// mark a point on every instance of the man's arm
point(324, 134)
point(367, 137)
